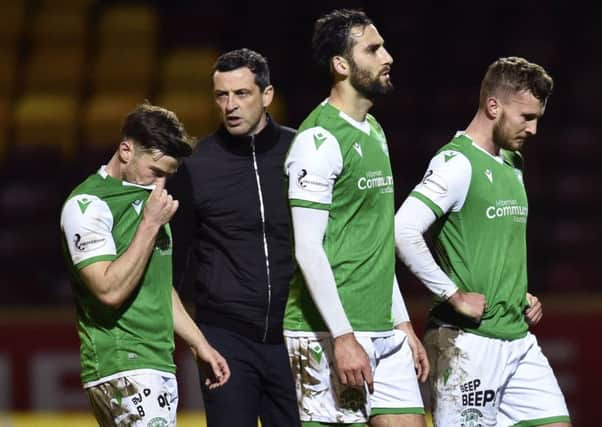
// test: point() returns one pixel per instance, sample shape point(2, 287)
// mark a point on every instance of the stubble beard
point(502, 138)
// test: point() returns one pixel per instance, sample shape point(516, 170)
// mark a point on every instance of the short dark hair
point(515, 74)
point(244, 57)
point(332, 35)
point(156, 128)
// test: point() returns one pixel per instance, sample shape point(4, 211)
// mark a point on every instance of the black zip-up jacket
point(231, 231)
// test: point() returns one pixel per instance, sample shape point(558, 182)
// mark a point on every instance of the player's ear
point(126, 150)
point(492, 107)
point(340, 65)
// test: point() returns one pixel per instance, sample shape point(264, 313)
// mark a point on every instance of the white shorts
point(480, 381)
point(135, 400)
point(322, 398)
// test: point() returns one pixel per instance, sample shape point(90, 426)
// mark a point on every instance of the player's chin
point(386, 87)
point(514, 145)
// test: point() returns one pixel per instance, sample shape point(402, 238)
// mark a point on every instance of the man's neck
point(480, 130)
point(114, 167)
point(346, 99)
point(263, 121)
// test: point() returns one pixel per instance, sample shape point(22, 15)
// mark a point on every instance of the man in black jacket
point(234, 225)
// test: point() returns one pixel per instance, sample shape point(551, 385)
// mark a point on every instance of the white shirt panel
point(313, 165)
point(447, 180)
point(87, 222)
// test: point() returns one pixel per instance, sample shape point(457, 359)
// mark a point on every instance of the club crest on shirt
point(158, 422)
point(471, 417)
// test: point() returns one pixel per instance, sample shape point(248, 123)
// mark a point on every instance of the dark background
point(69, 75)
point(440, 50)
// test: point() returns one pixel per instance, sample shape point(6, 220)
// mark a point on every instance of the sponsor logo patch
point(310, 182)
point(88, 242)
point(434, 182)
point(376, 180)
point(508, 208)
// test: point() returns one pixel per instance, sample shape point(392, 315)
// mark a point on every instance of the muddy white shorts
point(480, 381)
point(139, 399)
point(323, 398)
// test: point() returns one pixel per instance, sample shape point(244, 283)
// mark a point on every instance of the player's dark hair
point(244, 57)
point(155, 128)
point(332, 35)
point(514, 74)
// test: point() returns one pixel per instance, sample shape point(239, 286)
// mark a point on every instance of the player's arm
point(112, 282)
point(401, 320)
point(309, 228)
point(213, 365)
point(444, 188)
point(313, 165)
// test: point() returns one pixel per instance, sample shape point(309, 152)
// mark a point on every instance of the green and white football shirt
point(481, 206)
point(99, 221)
point(338, 164)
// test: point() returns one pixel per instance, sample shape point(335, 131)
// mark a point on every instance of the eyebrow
point(159, 170)
point(374, 46)
point(239, 89)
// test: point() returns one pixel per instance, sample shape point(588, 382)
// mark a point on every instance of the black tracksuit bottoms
point(260, 386)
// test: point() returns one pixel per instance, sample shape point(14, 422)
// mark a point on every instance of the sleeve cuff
point(432, 206)
point(300, 203)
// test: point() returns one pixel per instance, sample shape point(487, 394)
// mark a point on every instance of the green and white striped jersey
point(338, 164)
point(99, 221)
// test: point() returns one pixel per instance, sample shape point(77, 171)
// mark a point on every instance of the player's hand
point(214, 367)
point(351, 362)
point(160, 206)
point(470, 304)
point(421, 361)
point(534, 312)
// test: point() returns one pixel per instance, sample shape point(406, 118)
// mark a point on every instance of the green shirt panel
point(138, 335)
point(482, 247)
point(359, 240)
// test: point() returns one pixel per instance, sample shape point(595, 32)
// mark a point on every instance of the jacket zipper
point(265, 239)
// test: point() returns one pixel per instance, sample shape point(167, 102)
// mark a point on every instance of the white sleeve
point(445, 184)
point(399, 311)
point(313, 164)
point(87, 222)
point(411, 221)
point(309, 228)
